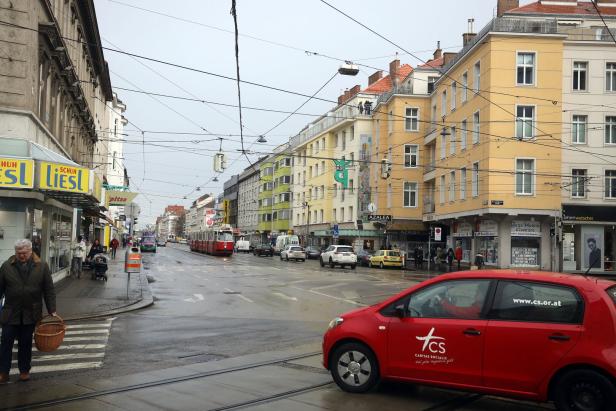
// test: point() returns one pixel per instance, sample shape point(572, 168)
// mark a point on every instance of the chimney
point(470, 34)
point(438, 52)
point(394, 69)
point(341, 99)
point(448, 57)
point(354, 91)
point(375, 77)
point(504, 6)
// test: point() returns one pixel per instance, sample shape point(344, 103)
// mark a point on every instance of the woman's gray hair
point(25, 243)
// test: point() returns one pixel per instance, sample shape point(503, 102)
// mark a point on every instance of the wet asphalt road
point(210, 310)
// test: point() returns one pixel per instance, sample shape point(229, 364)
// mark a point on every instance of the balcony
point(428, 207)
point(396, 90)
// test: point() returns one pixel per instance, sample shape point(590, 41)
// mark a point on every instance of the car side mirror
point(400, 311)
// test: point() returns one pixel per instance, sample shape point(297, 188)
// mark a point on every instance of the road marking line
point(332, 297)
point(94, 338)
point(284, 296)
point(190, 300)
point(62, 367)
point(61, 357)
point(199, 297)
point(245, 298)
point(328, 286)
point(81, 332)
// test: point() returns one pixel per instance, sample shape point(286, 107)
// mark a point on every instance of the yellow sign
point(97, 188)
point(225, 210)
point(118, 198)
point(62, 177)
point(16, 173)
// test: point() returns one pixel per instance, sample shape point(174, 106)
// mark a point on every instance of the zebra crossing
point(83, 348)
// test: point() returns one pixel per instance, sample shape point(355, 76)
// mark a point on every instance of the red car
point(531, 335)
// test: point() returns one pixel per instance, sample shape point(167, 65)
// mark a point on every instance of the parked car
point(339, 254)
point(386, 258)
point(161, 243)
point(293, 252)
point(312, 252)
point(263, 249)
point(363, 257)
point(533, 335)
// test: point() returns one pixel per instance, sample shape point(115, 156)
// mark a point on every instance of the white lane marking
point(230, 291)
point(72, 327)
point(73, 347)
point(190, 300)
point(93, 338)
point(332, 297)
point(62, 367)
point(199, 297)
point(385, 284)
point(61, 357)
point(284, 296)
point(81, 332)
point(329, 286)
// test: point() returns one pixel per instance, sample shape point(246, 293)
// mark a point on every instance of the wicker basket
point(48, 336)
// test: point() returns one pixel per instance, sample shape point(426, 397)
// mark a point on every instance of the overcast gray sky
point(204, 41)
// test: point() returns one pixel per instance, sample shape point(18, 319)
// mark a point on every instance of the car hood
point(355, 313)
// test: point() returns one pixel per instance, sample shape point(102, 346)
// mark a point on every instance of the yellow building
point(495, 141)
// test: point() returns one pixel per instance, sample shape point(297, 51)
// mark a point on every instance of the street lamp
point(307, 205)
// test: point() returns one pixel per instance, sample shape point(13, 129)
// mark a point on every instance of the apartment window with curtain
point(476, 126)
point(477, 76)
point(463, 92)
point(463, 134)
point(580, 75)
point(443, 147)
point(578, 129)
point(524, 122)
point(444, 103)
point(610, 184)
point(524, 176)
point(475, 181)
point(610, 77)
point(442, 190)
point(578, 183)
point(410, 155)
point(610, 130)
point(411, 119)
point(452, 140)
point(454, 91)
point(452, 186)
point(526, 69)
point(410, 194)
point(463, 183)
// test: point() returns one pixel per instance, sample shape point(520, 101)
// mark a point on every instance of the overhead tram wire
point(444, 74)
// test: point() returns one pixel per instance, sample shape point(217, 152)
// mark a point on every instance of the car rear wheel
point(354, 368)
point(584, 390)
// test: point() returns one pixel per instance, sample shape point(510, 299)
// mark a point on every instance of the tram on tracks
point(213, 241)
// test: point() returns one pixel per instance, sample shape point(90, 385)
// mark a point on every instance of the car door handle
point(471, 331)
point(559, 337)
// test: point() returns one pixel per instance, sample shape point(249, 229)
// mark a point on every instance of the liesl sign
point(16, 173)
point(62, 177)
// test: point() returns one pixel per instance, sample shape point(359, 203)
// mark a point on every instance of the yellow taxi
point(386, 258)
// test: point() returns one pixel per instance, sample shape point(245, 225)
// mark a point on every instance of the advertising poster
point(592, 247)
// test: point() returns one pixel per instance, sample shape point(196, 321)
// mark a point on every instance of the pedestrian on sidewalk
point(79, 253)
point(450, 257)
point(114, 246)
point(458, 255)
point(25, 281)
point(96, 248)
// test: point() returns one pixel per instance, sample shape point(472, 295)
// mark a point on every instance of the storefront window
point(525, 251)
point(488, 247)
point(58, 255)
point(465, 243)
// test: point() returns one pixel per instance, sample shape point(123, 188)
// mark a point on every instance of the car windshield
point(344, 249)
point(393, 254)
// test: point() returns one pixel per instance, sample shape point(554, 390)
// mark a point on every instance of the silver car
point(293, 252)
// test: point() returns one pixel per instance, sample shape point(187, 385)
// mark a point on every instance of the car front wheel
point(322, 263)
point(354, 368)
point(584, 390)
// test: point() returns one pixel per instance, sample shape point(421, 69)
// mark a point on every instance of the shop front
point(589, 238)
point(525, 244)
point(487, 241)
point(463, 237)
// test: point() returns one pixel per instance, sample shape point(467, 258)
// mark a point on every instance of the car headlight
point(335, 322)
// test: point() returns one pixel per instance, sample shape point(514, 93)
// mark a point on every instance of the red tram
point(213, 241)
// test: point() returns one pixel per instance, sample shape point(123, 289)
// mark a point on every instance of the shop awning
point(97, 214)
point(406, 225)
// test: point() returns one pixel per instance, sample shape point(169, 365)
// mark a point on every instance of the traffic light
point(220, 162)
point(385, 168)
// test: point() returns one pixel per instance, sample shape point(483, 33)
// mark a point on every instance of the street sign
point(438, 232)
point(335, 231)
point(372, 207)
point(380, 218)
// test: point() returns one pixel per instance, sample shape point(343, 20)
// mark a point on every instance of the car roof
point(545, 276)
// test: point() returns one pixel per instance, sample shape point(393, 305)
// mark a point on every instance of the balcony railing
point(428, 207)
point(429, 167)
point(406, 90)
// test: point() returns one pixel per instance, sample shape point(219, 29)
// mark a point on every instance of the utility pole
point(307, 206)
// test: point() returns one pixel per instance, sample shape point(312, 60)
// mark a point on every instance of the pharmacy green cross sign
point(341, 174)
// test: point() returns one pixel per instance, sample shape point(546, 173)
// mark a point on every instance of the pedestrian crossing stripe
point(83, 348)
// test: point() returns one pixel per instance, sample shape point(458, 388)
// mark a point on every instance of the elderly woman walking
point(25, 281)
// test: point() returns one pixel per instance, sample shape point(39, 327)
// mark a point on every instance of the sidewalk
point(86, 298)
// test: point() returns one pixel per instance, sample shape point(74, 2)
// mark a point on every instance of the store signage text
point(487, 228)
point(119, 198)
point(15, 173)
point(379, 218)
point(60, 177)
point(521, 228)
point(463, 230)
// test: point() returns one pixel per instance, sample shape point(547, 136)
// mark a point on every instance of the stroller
point(99, 267)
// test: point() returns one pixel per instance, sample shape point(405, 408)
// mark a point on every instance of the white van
point(284, 240)
point(242, 245)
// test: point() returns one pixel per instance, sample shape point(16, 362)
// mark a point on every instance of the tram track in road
point(175, 380)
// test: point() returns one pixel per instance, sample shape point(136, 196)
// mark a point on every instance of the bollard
point(132, 264)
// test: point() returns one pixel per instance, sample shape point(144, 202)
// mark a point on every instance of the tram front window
point(225, 237)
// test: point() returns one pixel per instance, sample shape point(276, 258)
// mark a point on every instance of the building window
point(578, 129)
point(321, 216)
point(578, 183)
point(411, 119)
point(351, 186)
point(610, 183)
point(323, 167)
point(526, 68)
point(410, 194)
point(463, 135)
point(389, 195)
point(464, 87)
point(452, 186)
point(443, 147)
point(431, 82)
point(610, 77)
point(410, 155)
point(444, 103)
point(475, 181)
point(322, 191)
point(390, 122)
point(524, 122)
point(342, 214)
point(454, 90)
point(350, 214)
point(524, 176)
point(476, 126)
point(442, 190)
point(452, 141)
point(579, 75)
point(477, 76)
point(463, 183)
point(610, 130)
point(334, 215)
